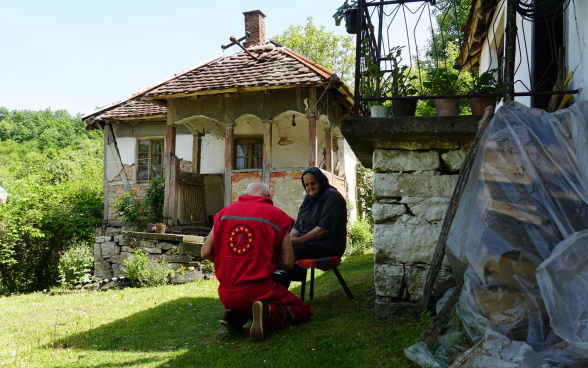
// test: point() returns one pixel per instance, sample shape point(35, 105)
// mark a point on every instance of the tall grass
point(177, 326)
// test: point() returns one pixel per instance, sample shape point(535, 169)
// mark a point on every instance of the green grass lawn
point(177, 326)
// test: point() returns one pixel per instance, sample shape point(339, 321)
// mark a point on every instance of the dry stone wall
point(113, 246)
point(412, 190)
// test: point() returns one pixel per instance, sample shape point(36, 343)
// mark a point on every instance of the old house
point(262, 114)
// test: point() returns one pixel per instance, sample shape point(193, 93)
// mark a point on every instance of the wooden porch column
point(172, 178)
point(312, 127)
point(229, 153)
point(329, 150)
point(196, 149)
point(267, 151)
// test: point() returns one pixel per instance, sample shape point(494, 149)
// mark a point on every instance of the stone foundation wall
point(413, 190)
point(113, 246)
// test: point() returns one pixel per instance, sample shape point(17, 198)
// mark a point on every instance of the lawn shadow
point(191, 324)
point(157, 329)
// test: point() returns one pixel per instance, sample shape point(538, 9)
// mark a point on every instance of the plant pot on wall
point(380, 111)
point(351, 21)
point(160, 228)
point(402, 108)
point(447, 106)
point(479, 104)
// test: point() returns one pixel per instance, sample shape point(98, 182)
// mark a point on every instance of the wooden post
point(510, 50)
point(312, 126)
point(107, 133)
point(329, 150)
point(196, 152)
point(172, 178)
point(267, 151)
point(229, 152)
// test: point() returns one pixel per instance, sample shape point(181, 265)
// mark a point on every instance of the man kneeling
point(248, 242)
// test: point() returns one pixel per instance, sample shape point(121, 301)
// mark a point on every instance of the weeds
point(145, 271)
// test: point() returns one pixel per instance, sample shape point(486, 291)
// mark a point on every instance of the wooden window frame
point(150, 160)
point(250, 155)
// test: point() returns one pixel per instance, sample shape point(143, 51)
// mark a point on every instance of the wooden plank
point(229, 137)
point(267, 151)
point(312, 127)
point(170, 211)
point(510, 49)
point(329, 150)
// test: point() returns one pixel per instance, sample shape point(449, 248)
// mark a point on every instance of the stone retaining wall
point(416, 162)
point(112, 246)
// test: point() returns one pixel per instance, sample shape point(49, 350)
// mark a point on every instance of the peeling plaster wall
point(577, 42)
point(184, 146)
point(347, 156)
point(212, 148)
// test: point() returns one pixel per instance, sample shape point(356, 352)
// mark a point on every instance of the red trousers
point(286, 307)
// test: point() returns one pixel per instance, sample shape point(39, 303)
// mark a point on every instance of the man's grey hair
point(258, 189)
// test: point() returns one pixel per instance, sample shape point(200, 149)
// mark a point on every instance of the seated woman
point(321, 227)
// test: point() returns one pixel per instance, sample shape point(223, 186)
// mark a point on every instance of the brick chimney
point(254, 28)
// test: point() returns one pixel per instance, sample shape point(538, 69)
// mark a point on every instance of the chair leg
point(303, 287)
point(311, 283)
point(342, 282)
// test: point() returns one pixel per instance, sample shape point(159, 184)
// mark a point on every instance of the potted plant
point(444, 82)
point(374, 83)
point(393, 82)
point(402, 84)
point(349, 12)
point(484, 83)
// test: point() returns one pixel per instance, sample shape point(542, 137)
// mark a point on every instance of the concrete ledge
point(365, 135)
point(164, 237)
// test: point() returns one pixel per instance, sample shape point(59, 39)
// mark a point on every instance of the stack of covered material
point(517, 233)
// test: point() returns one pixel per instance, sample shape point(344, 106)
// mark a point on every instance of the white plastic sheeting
point(525, 199)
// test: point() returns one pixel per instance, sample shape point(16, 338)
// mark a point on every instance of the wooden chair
point(324, 264)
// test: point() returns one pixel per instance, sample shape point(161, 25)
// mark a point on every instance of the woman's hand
point(314, 234)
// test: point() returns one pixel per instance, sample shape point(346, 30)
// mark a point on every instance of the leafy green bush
point(359, 237)
point(53, 199)
point(145, 271)
point(76, 264)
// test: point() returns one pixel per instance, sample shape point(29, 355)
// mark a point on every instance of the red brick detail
point(255, 26)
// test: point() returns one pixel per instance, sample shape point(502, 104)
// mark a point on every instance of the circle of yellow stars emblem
point(241, 239)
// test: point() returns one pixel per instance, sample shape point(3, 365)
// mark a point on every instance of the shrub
point(359, 237)
point(136, 214)
point(145, 271)
point(75, 264)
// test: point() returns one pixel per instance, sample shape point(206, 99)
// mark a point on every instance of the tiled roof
point(272, 67)
point(134, 109)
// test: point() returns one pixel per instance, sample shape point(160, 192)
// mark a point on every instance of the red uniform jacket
point(248, 237)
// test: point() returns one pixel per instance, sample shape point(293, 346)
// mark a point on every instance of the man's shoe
point(261, 312)
point(228, 322)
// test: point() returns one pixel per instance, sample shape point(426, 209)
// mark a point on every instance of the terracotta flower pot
point(479, 104)
point(447, 106)
point(160, 228)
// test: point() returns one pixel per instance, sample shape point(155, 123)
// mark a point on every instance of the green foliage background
point(51, 167)
point(336, 53)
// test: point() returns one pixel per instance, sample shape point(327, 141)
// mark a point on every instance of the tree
point(336, 53)
point(52, 168)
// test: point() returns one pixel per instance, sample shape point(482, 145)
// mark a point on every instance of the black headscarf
point(310, 209)
point(322, 179)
